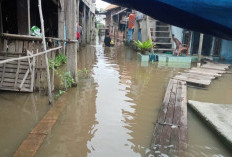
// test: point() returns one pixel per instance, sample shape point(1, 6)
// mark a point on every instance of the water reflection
point(112, 112)
point(19, 113)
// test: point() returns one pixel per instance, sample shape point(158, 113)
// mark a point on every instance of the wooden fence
point(27, 74)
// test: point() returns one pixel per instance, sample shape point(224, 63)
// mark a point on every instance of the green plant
point(144, 46)
point(59, 94)
point(58, 61)
point(83, 73)
point(68, 79)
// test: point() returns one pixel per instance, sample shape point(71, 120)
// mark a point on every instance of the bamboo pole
point(31, 56)
point(45, 48)
point(200, 49)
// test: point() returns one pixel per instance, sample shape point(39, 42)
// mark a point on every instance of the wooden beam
point(71, 35)
point(83, 40)
point(61, 23)
point(25, 57)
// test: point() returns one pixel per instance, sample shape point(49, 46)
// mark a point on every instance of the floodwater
point(19, 113)
point(113, 110)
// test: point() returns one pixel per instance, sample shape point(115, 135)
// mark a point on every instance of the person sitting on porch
point(179, 46)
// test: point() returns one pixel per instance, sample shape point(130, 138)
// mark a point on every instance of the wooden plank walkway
point(170, 134)
point(203, 75)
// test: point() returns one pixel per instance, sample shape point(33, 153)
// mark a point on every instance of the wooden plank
point(218, 64)
point(11, 85)
point(213, 67)
point(209, 70)
point(174, 139)
point(24, 79)
point(10, 80)
point(203, 73)
point(193, 80)
point(163, 111)
point(14, 89)
point(14, 66)
point(3, 72)
point(4, 45)
point(12, 46)
point(12, 75)
point(17, 73)
point(207, 77)
point(161, 118)
point(166, 132)
point(31, 46)
point(33, 74)
point(8, 70)
point(166, 137)
point(183, 137)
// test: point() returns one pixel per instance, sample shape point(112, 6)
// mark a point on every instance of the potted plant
point(145, 46)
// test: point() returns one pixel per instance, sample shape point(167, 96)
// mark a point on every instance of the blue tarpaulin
point(213, 17)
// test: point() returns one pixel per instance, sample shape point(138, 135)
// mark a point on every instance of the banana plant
point(144, 46)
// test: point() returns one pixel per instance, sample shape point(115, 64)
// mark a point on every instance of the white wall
point(178, 32)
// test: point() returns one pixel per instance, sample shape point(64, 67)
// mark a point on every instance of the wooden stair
point(17, 75)
point(161, 35)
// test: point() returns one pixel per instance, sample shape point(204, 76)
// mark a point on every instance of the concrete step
point(163, 49)
point(161, 31)
point(163, 43)
point(162, 37)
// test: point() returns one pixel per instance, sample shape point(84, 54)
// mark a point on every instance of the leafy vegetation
point(58, 61)
point(144, 46)
point(83, 73)
point(66, 79)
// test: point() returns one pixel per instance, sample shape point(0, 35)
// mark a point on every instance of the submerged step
point(218, 116)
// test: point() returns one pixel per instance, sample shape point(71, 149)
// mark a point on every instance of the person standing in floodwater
point(107, 40)
point(79, 31)
point(131, 24)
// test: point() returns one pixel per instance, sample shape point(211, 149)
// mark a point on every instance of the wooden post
point(23, 16)
point(61, 23)
point(212, 47)
point(44, 49)
point(78, 19)
point(200, 49)
point(71, 35)
point(88, 27)
point(84, 25)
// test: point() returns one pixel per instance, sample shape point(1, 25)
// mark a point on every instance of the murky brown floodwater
point(112, 112)
point(19, 113)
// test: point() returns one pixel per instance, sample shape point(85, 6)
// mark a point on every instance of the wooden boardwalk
point(170, 134)
point(203, 75)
